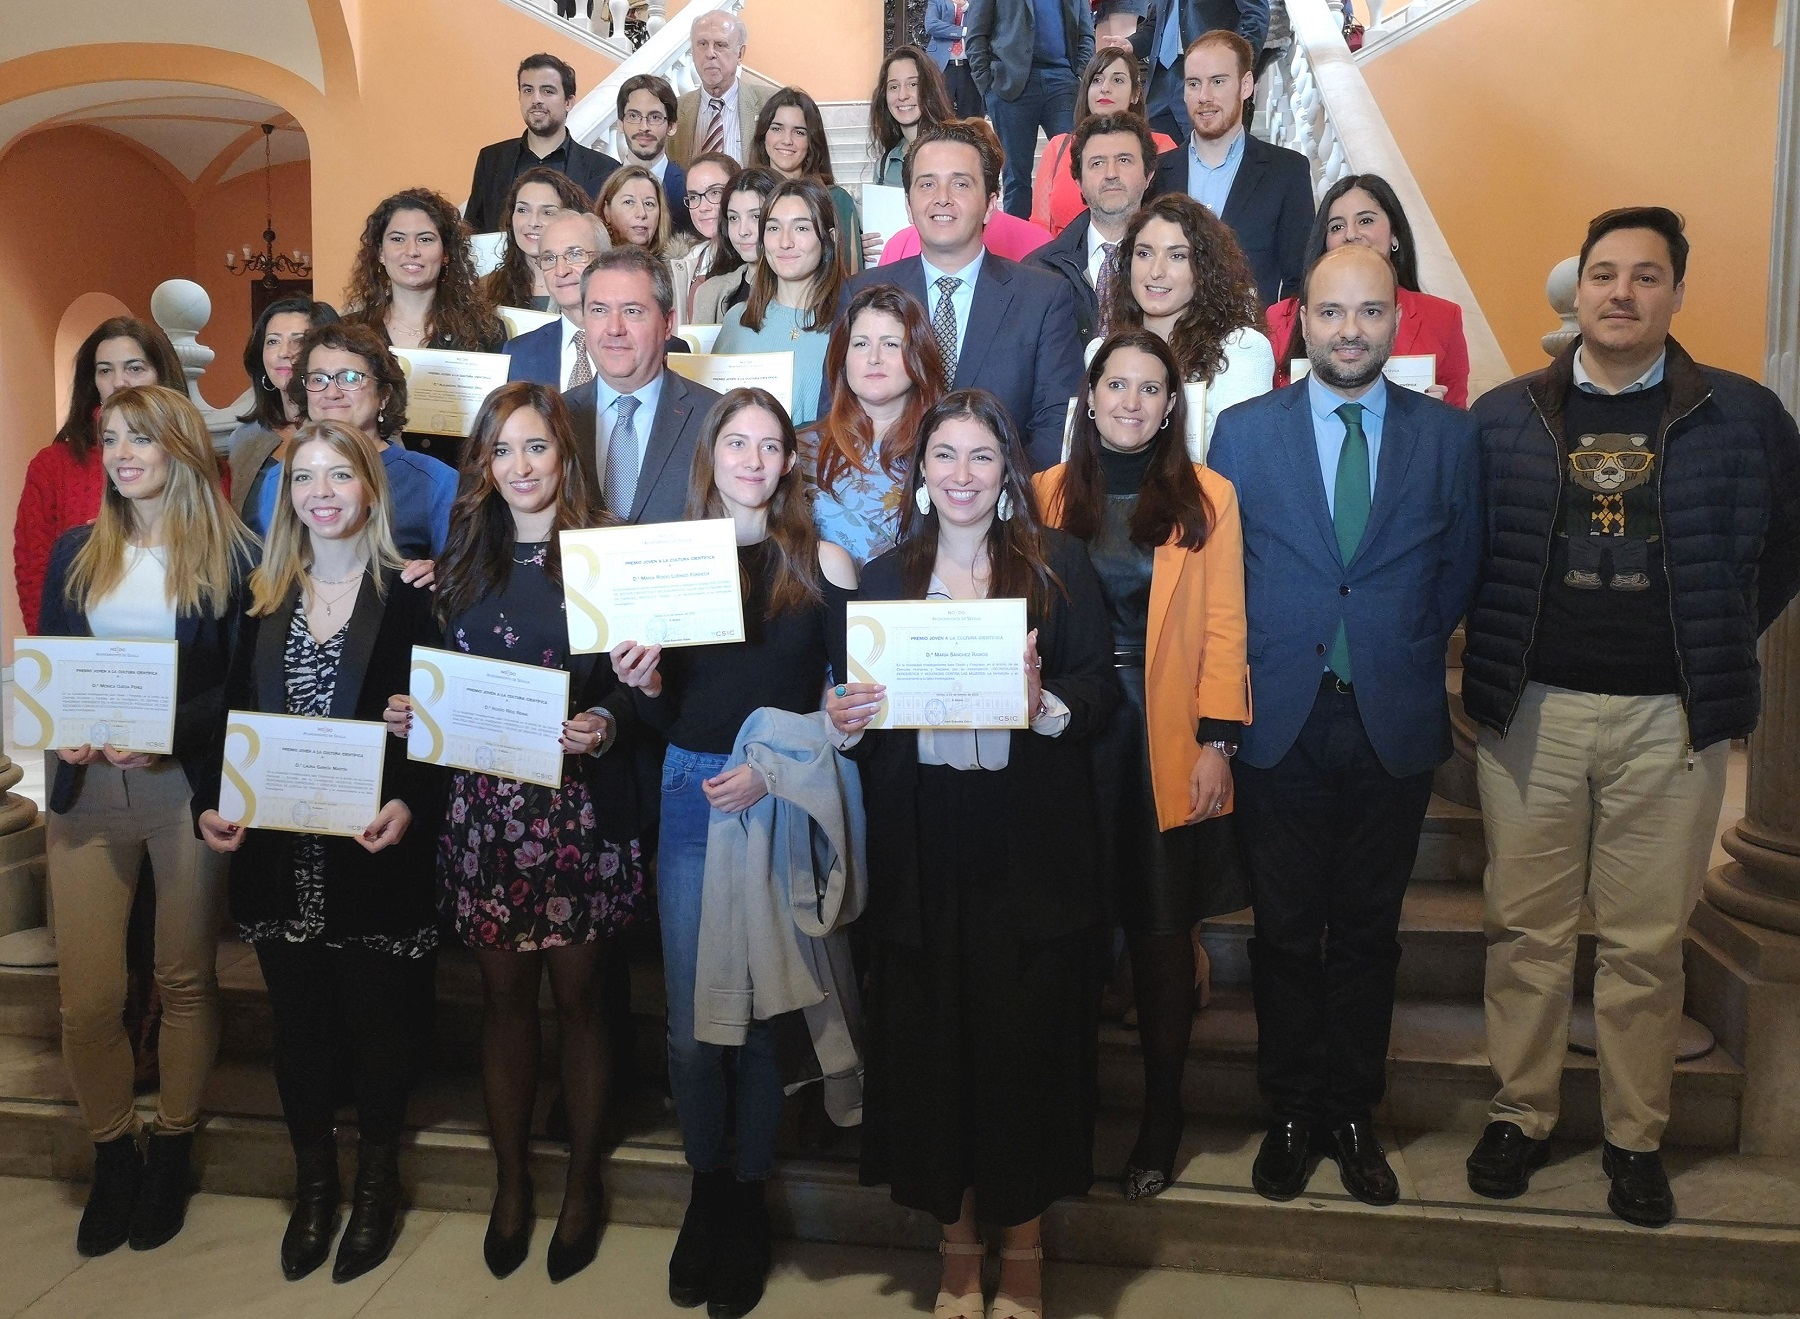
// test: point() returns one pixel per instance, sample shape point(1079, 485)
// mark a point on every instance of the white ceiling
point(279, 31)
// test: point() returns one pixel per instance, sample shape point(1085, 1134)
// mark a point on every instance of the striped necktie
point(715, 131)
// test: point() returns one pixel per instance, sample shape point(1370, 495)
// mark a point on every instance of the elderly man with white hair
point(721, 114)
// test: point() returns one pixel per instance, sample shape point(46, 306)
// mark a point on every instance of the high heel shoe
point(1020, 1307)
point(504, 1253)
point(567, 1258)
point(970, 1306)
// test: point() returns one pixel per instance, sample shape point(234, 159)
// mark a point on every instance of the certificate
point(310, 776)
point(488, 715)
point(445, 389)
point(727, 371)
point(884, 212)
point(487, 251)
point(523, 320)
point(667, 584)
point(91, 691)
point(1199, 425)
point(945, 663)
point(700, 338)
point(1415, 371)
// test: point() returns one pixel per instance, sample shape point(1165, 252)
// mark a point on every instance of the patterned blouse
point(863, 515)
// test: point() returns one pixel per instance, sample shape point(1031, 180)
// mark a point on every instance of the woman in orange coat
point(1165, 538)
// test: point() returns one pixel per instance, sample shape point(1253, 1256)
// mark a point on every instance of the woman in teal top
point(798, 278)
point(790, 139)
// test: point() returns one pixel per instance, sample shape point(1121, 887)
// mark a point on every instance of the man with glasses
point(646, 122)
point(546, 95)
point(556, 354)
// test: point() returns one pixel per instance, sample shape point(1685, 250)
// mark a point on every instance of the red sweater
point(60, 492)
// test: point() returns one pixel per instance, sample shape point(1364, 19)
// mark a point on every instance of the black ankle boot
point(744, 1253)
point(118, 1174)
point(162, 1200)
point(374, 1211)
point(691, 1264)
point(307, 1242)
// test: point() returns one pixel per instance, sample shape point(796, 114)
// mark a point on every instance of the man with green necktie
point(1362, 532)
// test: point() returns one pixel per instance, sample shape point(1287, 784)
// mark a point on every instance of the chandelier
point(270, 263)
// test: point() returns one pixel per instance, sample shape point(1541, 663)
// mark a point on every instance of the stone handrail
point(595, 117)
point(610, 42)
point(1389, 30)
point(1320, 105)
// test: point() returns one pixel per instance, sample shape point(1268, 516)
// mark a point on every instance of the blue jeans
point(696, 1070)
point(1048, 102)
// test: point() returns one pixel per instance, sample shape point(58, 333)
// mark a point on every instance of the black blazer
point(1067, 255)
point(1020, 343)
point(205, 642)
point(1054, 875)
point(391, 892)
point(498, 165)
point(662, 486)
point(1269, 208)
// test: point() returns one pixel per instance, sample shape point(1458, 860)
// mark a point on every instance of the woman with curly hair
point(537, 196)
point(1189, 283)
point(414, 283)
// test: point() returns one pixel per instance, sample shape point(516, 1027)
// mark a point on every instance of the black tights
point(510, 1052)
point(1162, 976)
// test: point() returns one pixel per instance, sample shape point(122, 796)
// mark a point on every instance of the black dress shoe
point(745, 1253)
point(1640, 1188)
point(1362, 1165)
point(1501, 1164)
point(307, 1242)
point(1285, 1160)
point(567, 1258)
point(374, 1211)
point(161, 1206)
point(504, 1253)
point(691, 1263)
point(118, 1174)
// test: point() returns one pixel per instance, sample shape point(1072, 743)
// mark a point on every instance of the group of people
point(1240, 594)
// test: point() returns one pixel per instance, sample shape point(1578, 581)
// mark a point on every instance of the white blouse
point(139, 606)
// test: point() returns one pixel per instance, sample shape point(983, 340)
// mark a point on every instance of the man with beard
point(647, 111)
point(1362, 533)
point(1111, 161)
point(1263, 192)
point(546, 93)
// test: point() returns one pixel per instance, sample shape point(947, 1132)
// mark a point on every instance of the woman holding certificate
point(795, 588)
point(883, 373)
point(986, 901)
point(165, 560)
point(794, 289)
point(1164, 536)
point(533, 877)
point(343, 922)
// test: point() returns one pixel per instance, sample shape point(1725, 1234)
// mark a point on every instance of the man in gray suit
point(1025, 57)
point(637, 421)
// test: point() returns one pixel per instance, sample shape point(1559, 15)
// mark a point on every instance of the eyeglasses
point(655, 119)
point(714, 194)
point(316, 382)
point(575, 256)
point(1626, 461)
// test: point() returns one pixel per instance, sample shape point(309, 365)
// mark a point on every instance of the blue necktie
point(1349, 515)
point(1171, 38)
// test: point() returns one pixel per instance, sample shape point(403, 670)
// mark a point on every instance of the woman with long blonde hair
point(165, 560)
point(344, 928)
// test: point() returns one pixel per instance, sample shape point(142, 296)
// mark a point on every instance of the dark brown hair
point(975, 133)
point(478, 557)
point(760, 180)
point(543, 61)
point(1103, 59)
point(1017, 565)
point(511, 282)
point(1404, 258)
point(372, 347)
point(817, 163)
point(648, 82)
point(1118, 122)
point(885, 132)
point(1170, 501)
point(461, 316)
point(1225, 296)
point(721, 256)
point(827, 280)
point(81, 424)
point(1658, 219)
point(845, 433)
point(796, 539)
point(268, 405)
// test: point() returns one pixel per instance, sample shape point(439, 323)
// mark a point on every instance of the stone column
point(25, 938)
point(1745, 960)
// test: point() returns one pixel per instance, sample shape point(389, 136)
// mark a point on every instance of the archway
point(78, 321)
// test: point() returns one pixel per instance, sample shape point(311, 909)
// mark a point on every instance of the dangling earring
point(922, 498)
point(380, 417)
point(1003, 510)
point(267, 383)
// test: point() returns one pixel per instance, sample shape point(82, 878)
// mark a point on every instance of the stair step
point(1735, 1246)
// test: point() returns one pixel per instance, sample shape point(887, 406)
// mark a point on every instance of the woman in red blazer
point(1362, 208)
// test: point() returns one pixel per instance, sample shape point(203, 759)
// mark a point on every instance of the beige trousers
point(94, 852)
point(1592, 798)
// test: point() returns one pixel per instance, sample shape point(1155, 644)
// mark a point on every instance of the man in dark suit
point(1000, 326)
point(556, 354)
point(637, 421)
point(1263, 192)
point(1111, 159)
point(1026, 57)
point(1167, 28)
point(546, 92)
point(1361, 507)
point(646, 122)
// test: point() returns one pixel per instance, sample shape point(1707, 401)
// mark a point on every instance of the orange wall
point(1517, 142)
point(789, 40)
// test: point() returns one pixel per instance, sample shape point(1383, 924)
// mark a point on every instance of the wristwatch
point(1226, 749)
